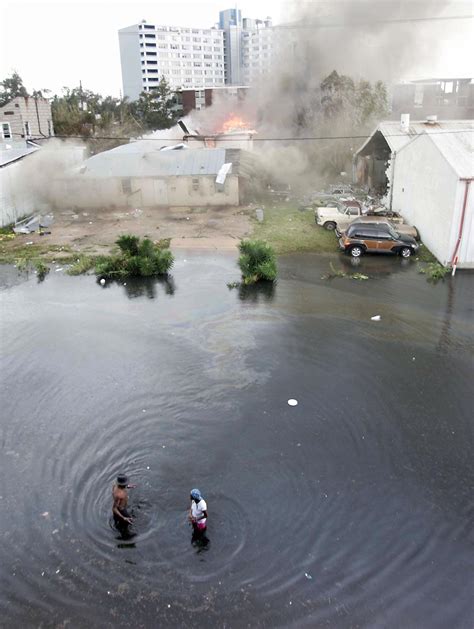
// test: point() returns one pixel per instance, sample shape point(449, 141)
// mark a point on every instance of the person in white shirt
point(198, 511)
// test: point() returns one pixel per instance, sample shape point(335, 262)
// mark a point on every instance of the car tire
point(356, 251)
point(330, 226)
point(406, 252)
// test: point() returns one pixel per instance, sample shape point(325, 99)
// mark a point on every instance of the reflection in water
point(254, 292)
point(143, 286)
point(200, 540)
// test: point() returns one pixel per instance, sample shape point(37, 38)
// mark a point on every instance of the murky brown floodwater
point(352, 509)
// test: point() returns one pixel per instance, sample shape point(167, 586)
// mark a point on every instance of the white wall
point(425, 191)
point(147, 192)
point(131, 62)
point(15, 201)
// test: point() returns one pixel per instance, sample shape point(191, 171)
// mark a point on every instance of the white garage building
point(432, 188)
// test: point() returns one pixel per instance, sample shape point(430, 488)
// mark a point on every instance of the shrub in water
point(257, 261)
point(136, 258)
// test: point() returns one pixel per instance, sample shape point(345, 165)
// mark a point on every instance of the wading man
point(198, 512)
point(122, 517)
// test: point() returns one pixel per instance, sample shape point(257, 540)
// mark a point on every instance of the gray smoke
point(374, 40)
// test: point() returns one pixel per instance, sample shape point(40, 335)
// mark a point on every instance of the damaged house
point(141, 174)
point(425, 170)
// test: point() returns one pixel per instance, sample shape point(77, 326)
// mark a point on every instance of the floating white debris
point(308, 576)
point(292, 402)
point(60, 269)
point(45, 514)
point(147, 467)
point(413, 358)
point(102, 281)
point(375, 318)
point(58, 571)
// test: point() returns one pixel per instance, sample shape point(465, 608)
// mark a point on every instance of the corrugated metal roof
point(396, 138)
point(144, 159)
point(8, 156)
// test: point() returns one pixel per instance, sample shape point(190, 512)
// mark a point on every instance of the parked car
point(344, 213)
point(362, 237)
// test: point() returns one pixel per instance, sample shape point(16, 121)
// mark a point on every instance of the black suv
point(360, 238)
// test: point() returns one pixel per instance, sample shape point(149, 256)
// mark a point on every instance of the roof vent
point(405, 122)
point(431, 119)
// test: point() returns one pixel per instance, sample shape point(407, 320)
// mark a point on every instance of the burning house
point(425, 170)
point(143, 174)
point(234, 133)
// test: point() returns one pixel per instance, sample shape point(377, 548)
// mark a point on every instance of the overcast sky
point(56, 44)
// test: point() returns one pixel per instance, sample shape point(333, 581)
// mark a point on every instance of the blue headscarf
point(196, 494)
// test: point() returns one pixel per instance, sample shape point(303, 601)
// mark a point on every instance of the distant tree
point(11, 87)
point(155, 109)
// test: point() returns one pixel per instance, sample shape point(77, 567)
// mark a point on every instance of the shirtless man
point(120, 495)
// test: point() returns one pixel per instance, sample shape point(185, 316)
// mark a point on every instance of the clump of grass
point(82, 265)
point(25, 265)
point(231, 285)
point(142, 258)
point(339, 273)
point(257, 261)
point(42, 269)
point(434, 271)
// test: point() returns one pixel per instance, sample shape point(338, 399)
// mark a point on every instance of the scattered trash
point(187, 218)
point(413, 358)
point(375, 318)
point(169, 605)
point(147, 467)
point(90, 222)
point(58, 571)
point(45, 514)
point(30, 242)
point(308, 576)
point(42, 574)
point(55, 531)
point(102, 281)
point(59, 269)
point(292, 402)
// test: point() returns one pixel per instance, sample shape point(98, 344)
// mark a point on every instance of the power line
point(212, 138)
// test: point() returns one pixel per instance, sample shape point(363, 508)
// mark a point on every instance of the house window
point(127, 185)
point(8, 113)
point(27, 129)
point(50, 128)
point(195, 184)
point(6, 131)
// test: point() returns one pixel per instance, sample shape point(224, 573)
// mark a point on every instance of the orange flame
point(235, 123)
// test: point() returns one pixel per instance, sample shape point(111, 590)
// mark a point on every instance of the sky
point(57, 44)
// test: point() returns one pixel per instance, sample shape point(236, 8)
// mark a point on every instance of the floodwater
point(352, 509)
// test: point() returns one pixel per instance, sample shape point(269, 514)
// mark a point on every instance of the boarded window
point(127, 185)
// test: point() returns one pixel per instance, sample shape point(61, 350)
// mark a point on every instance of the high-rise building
point(239, 52)
point(186, 57)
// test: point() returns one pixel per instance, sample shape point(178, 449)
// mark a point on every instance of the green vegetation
point(434, 271)
point(257, 261)
point(289, 230)
point(425, 255)
point(340, 273)
point(25, 265)
point(82, 265)
point(135, 258)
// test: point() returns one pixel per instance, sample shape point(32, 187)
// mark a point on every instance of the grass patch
point(135, 258)
point(434, 271)
point(17, 249)
point(82, 265)
point(289, 230)
point(425, 255)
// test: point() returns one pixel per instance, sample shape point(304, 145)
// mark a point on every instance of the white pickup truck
point(339, 216)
